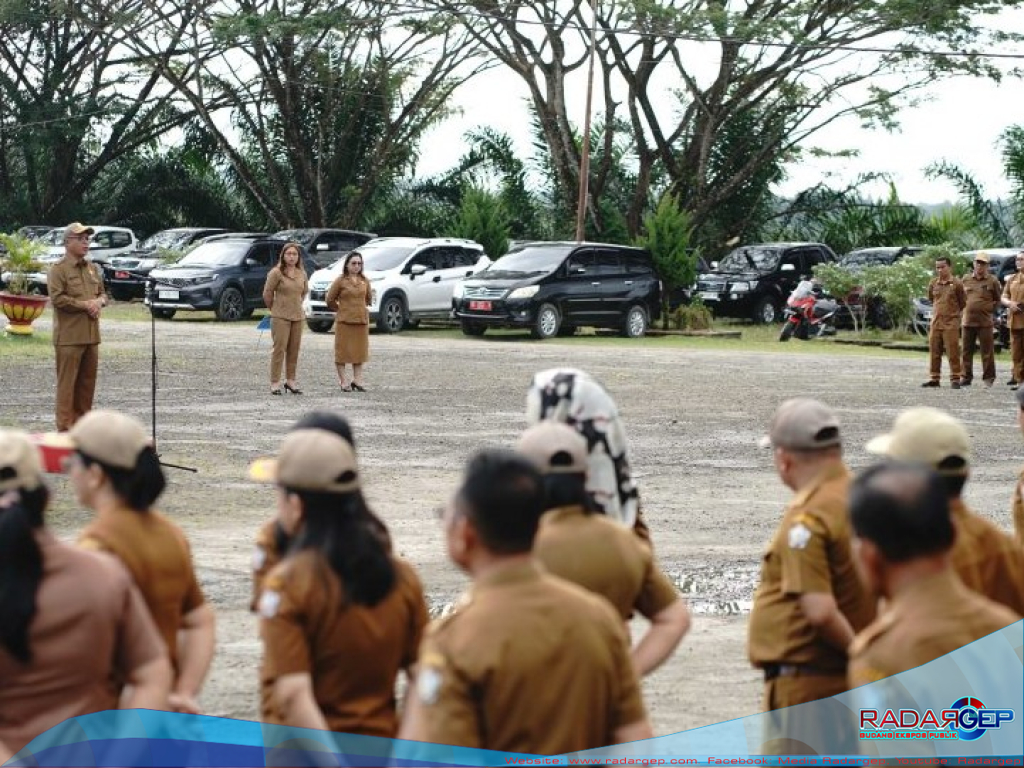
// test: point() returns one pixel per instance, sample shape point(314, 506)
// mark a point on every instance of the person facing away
point(1017, 505)
point(577, 542)
point(948, 299)
point(809, 602)
point(340, 616)
point(903, 538)
point(71, 622)
point(528, 662)
point(987, 559)
point(115, 472)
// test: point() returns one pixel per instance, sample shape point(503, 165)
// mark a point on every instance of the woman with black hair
point(70, 621)
point(340, 616)
point(115, 472)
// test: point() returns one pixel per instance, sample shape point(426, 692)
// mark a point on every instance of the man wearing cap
point(1013, 300)
point(983, 296)
point(578, 543)
point(810, 602)
point(946, 294)
point(77, 295)
point(986, 559)
point(1017, 507)
point(903, 537)
point(529, 662)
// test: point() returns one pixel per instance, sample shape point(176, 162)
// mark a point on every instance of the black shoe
point(275, 391)
point(1011, 383)
point(931, 384)
point(955, 384)
point(358, 387)
point(293, 390)
point(964, 383)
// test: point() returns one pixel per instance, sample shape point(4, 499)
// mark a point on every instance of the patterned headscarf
point(572, 397)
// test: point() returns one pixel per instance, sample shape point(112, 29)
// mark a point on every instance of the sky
point(961, 122)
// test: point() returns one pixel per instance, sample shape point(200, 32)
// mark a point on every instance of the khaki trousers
point(287, 338)
point(77, 366)
point(1017, 353)
point(944, 340)
point(983, 337)
point(795, 726)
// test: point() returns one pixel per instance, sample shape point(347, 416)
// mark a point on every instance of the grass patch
point(38, 346)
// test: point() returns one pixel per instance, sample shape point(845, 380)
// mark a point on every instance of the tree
point(667, 233)
point(482, 218)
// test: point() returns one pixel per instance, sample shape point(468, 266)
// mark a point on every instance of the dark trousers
point(77, 366)
point(983, 337)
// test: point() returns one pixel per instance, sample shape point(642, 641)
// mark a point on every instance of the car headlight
point(524, 293)
point(459, 291)
point(319, 287)
point(741, 287)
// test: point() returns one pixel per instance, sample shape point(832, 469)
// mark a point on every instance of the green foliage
point(19, 261)
point(667, 234)
point(840, 282)
point(482, 218)
point(691, 317)
point(900, 283)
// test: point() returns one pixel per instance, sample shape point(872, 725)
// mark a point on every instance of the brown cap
point(981, 257)
point(555, 448)
point(19, 462)
point(310, 460)
point(77, 228)
point(110, 437)
point(803, 424)
point(926, 435)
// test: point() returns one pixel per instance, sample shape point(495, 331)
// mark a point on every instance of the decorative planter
point(21, 311)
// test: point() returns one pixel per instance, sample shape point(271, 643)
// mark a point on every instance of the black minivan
point(554, 288)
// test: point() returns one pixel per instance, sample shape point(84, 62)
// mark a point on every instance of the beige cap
point(926, 435)
point(110, 437)
point(310, 460)
point(77, 228)
point(981, 257)
point(555, 448)
point(803, 424)
point(19, 462)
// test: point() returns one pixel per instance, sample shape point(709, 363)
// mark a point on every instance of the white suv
point(412, 279)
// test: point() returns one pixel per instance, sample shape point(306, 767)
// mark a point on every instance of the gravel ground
point(693, 417)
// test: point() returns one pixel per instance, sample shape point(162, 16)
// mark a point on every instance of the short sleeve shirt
point(70, 284)
point(987, 560)
point(266, 554)
point(1017, 508)
point(983, 295)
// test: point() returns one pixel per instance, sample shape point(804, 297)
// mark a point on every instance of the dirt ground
point(693, 418)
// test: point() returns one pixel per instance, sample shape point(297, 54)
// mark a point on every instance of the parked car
point(875, 313)
point(35, 231)
point(554, 288)
point(105, 243)
point(225, 275)
point(412, 279)
point(326, 246)
point(754, 281)
point(125, 275)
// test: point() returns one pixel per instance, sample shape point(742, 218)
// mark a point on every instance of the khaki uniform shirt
point(157, 555)
point(71, 284)
point(987, 560)
point(603, 557)
point(983, 295)
point(948, 301)
point(90, 628)
point(933, 617)
point(265, 557)
point(809, 553)
point(349, 298)
point(528, 663)
point(284, 293)
point(1014, 290)
point(353, 653)
point(1018, 509)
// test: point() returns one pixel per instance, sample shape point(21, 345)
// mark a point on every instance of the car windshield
point(382, 258)
point(531, 260)
point(168, 239)
point(303, 236)
point(217, 253)
point(860, 259)
point(747, 259)
point(53, 237)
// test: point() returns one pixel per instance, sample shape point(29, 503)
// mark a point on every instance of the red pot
point(21, 311)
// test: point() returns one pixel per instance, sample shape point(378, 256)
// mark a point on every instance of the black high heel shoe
point(358, 387)
point(275, 391)
point(293, 390)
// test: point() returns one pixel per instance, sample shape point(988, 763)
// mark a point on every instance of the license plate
point(709, 295)
point(168, 295)
point(484, 306)
point(121, 275)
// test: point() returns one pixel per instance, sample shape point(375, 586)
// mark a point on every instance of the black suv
point(754, 281)
point(225, 275)
point(553, 288)
point(326, 246)
point(125, 275)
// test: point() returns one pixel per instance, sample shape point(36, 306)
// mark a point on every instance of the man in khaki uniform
point(1017, 507)
point(810, 602)
point(985, 558)
point(904, 535)
point(578, 543)
point(946, 294)
point(983, 296)
point(1013, 300)
point(529, 662)
point(77, 295)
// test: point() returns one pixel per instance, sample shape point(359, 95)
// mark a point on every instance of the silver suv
point(412, 279)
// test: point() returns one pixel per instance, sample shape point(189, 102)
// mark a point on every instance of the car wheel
point(765, 311)
point(319, 326)
point(231, 306)
point(547, 323)
point(473, 329)
point(162, 314)
point(392, 314)
point(635, 325)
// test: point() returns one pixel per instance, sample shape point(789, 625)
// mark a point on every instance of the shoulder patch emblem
point(428, 684)
point(799, 535)
point(259, 558)
point(269, 602)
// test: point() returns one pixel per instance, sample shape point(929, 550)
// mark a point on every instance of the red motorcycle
point(808, 313)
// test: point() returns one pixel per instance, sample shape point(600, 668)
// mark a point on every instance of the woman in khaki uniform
point(70, 621)
point(116, 473)
point(348, 297)
point(340, 616)
point(283, 292)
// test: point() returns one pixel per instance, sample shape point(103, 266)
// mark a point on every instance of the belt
point(771, 671)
